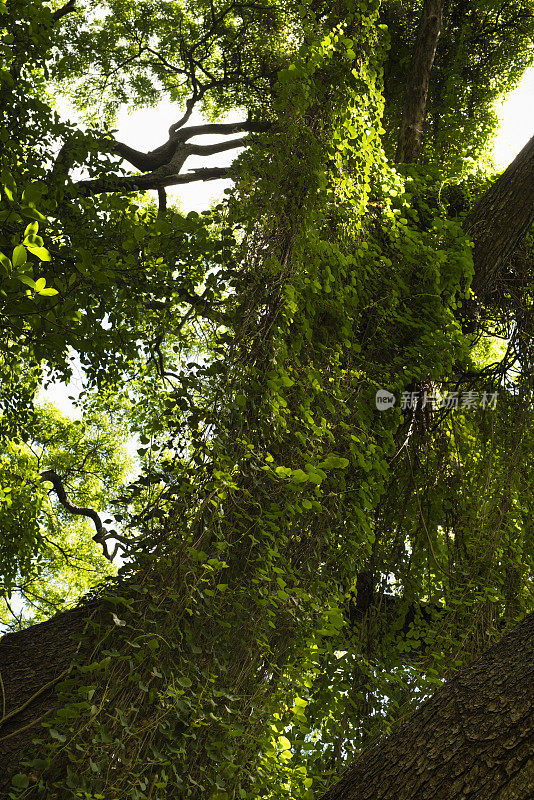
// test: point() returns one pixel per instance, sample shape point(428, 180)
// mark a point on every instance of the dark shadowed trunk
point(32, 662)
point(500, 220)
point(502, 217)
point(415, 98)
point(474, 738)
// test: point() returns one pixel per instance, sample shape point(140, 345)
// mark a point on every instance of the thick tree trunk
point(473, 739)
point(502, 217)
point(415, 98)
point(32, 661)
point(499, 222)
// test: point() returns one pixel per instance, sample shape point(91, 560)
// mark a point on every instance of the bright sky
point(517, 121)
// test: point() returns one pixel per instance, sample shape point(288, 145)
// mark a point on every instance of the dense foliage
point(299, 568)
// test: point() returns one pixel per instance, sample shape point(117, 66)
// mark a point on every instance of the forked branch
point(162, 167)
point(102, 535)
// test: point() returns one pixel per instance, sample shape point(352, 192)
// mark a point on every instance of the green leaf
point(40, 283)
point(283, 471)
point(32, 213)
point(33, 240)
point(33, 193)
point(31, 229)
point(41, 252)
point(284, 743)
point(6, 77)
point(27, 280)
point(20, 780)
point(299, 476)
point(334, 462)
point(20, 255)
point(48, 292)
point(9, 185)
point(5, 263)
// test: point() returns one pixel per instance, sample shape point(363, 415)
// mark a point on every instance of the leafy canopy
point(300, 568)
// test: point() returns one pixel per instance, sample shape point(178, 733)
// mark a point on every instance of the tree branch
point(162, 202)
point(219, 147)
point(225, 128)
point(144, 161)
point(189, 106)
point(415, 98)
point(472, 738)
point(154, 180)
point(163, 165)
point(64, 10)
point(101, 534)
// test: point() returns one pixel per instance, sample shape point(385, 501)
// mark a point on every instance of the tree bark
point(499, 222)
point(32, 661)
point(415, 98)
point(473, 739)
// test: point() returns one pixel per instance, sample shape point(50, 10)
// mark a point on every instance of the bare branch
point(155, 180)
point(101, 534)
point(162, 202)
point(64, 10)
point(219, 147)
point(144, 161)
point(225, 128)
point(163, 165)
point(189, 106)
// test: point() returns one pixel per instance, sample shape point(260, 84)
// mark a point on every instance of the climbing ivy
point(234, 656)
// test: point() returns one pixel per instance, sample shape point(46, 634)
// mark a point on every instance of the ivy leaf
point(284, 743)
point(27, 281)
point(5, 263)
point(20, 780)
point(299, 476)
point(41, 252)
point(20, 256)
point(334, 462)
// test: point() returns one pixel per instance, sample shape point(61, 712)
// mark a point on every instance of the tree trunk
point(500, 220)
point(32, 661)
point(414, 108)
point(474, 738)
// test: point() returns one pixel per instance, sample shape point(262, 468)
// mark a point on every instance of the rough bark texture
point(32, 661)
point(472, 740)
point(414, 108)
point(500, 220)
